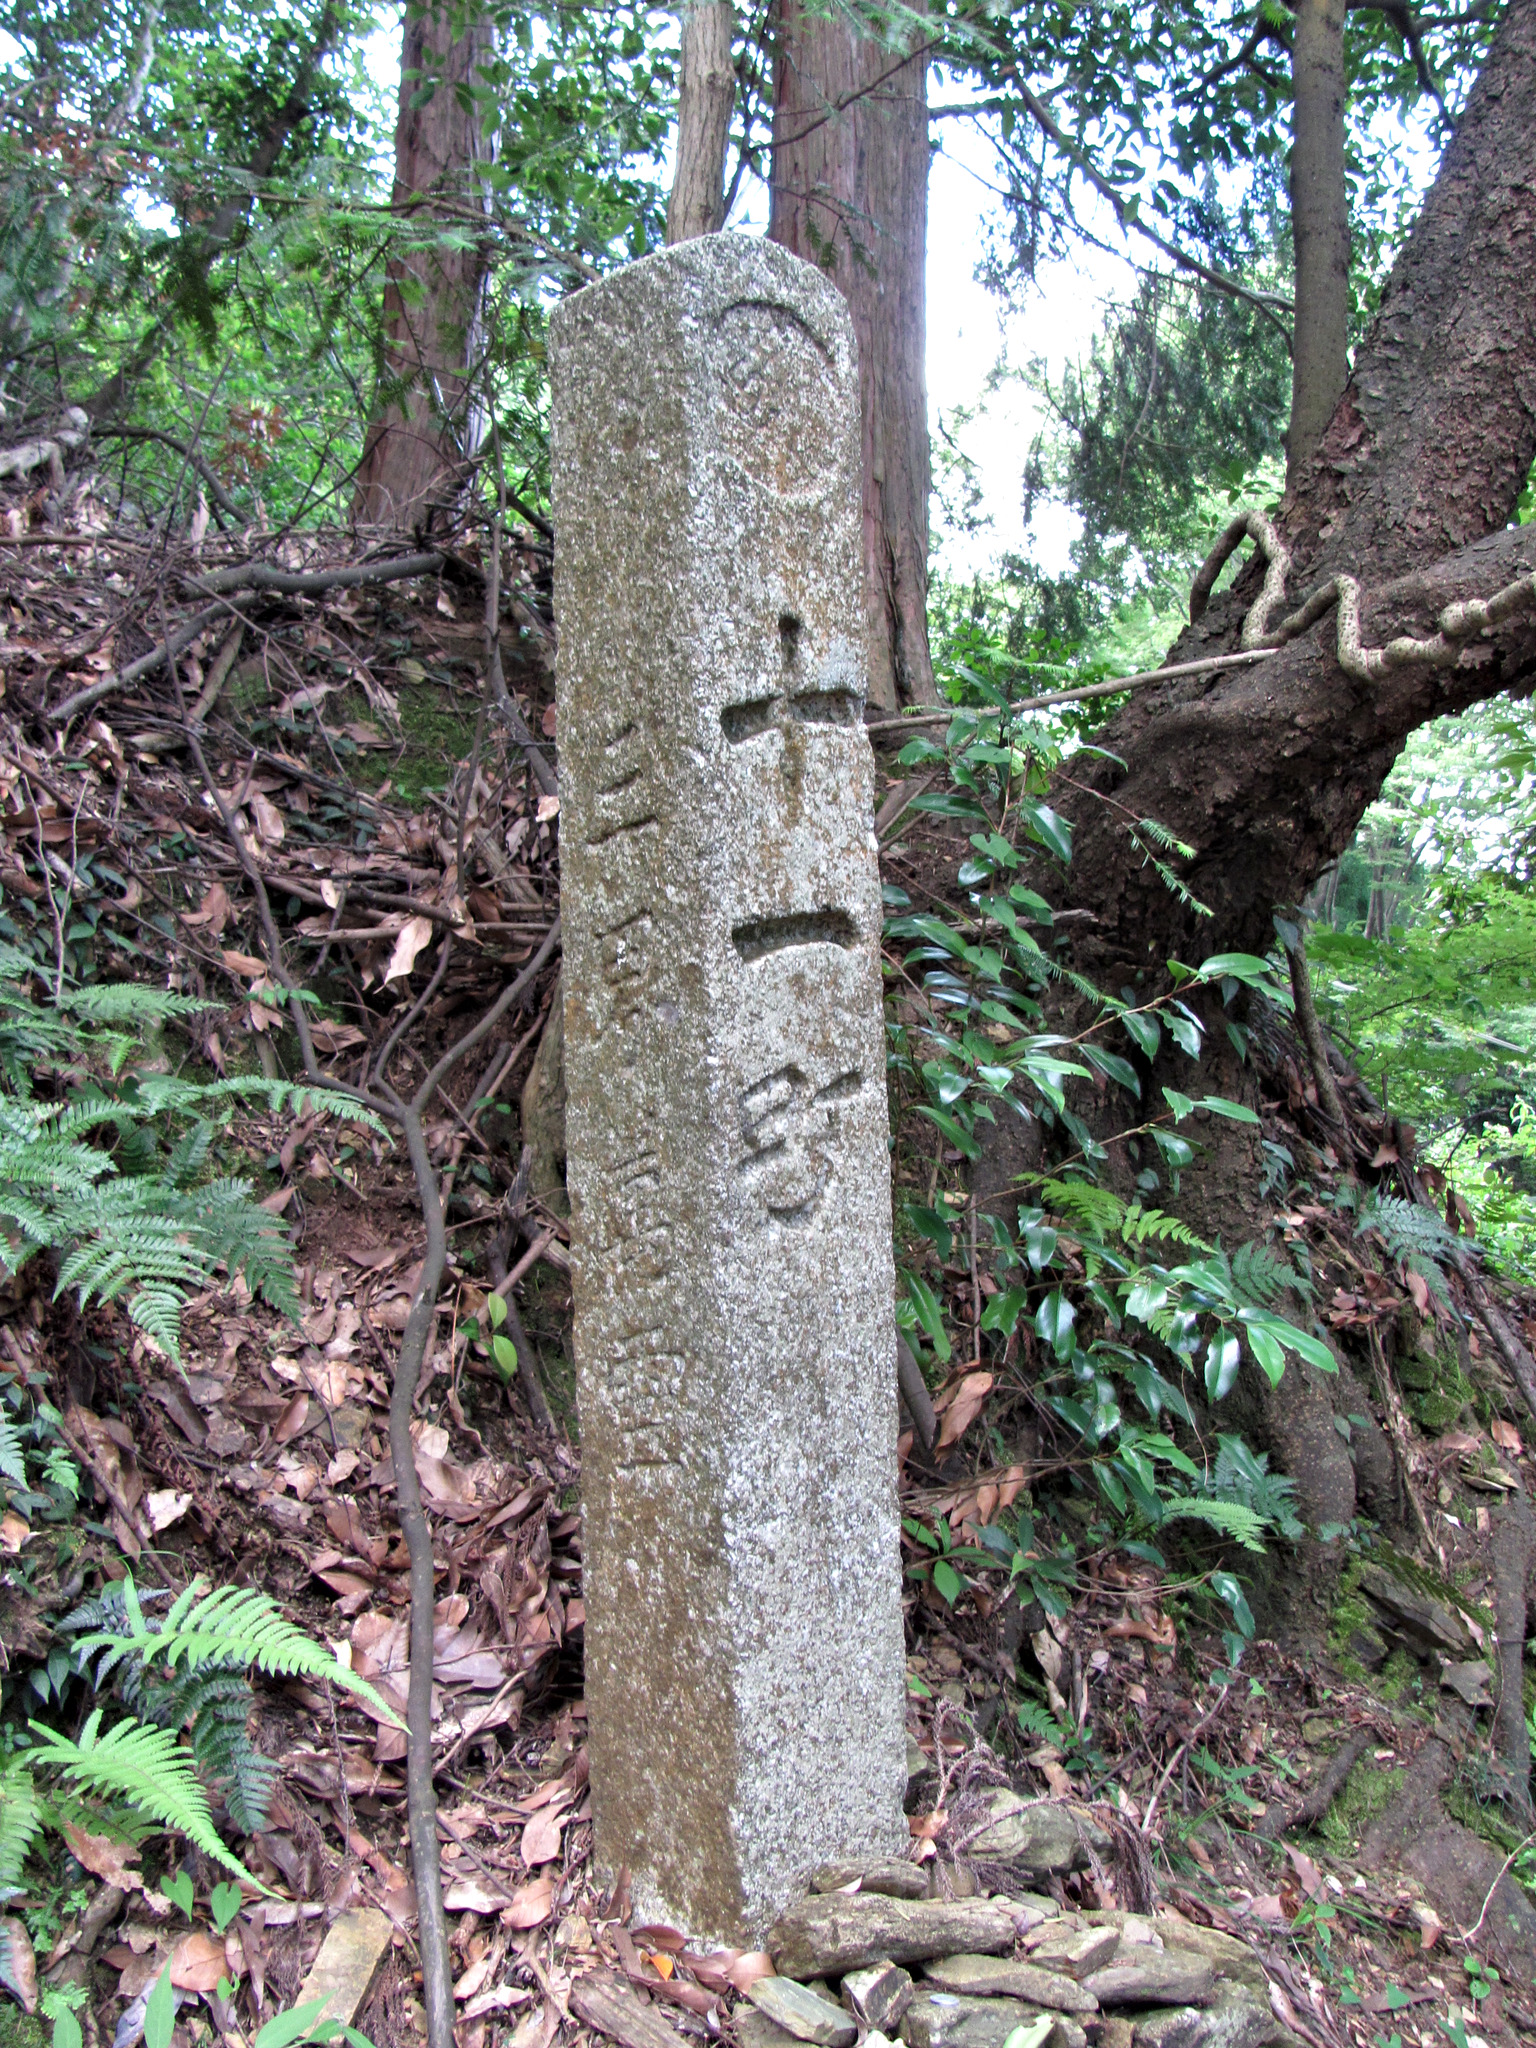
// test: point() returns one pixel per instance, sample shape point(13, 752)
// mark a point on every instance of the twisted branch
point(1458, 623)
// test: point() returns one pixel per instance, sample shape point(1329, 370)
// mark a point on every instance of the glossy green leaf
point(1054, 1320)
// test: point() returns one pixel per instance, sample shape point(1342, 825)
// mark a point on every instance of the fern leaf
point(232, 1625)
point(13, 1464)
point(145, 1766)
point(1227, 1517)
point(21, 1819)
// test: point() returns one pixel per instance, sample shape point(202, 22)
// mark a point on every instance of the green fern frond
point(21, 1820)
point(1228, 1517)
point(1147, 1226)
point(1407, 1228)
point(1093, 1208)
point(216, 1706)
point(127, 1002)
point(1431, 1275)
point(1260, 1277)
point(145, 1766)
point(229, 1626)
point(13, 1463)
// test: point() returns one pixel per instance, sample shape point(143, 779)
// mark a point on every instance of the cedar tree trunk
point(850, 193)
point(1320, 226)
point(706, 95)
point(427, 427)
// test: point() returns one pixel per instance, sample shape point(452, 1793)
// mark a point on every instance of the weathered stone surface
point(802, 2012)
point(1071, 1948)
point(1233, 1961)
point(1001, 1977)
point(1041, 1836)
point(844, 1931)
point(1141, 1975)
point(892, 1880)
point(1426, 1624)
point(754, 2029)
point(726, 1124)
point(879, 1996)
point(1237, 2023)
point(1029, 1909)
point(940, 2019)
point(618, 2010)
point(343, 1970)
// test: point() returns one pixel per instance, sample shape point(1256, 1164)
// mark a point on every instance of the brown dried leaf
point(541, 1837)
point(531, 1904)
point(198, 1962)
point(414, 936)
point(963, 1405)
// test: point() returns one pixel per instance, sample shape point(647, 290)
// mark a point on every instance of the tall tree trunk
point(1320, 227)
point(706, 95)
point(1266, 771)
point(850, 193)
point(428, 426)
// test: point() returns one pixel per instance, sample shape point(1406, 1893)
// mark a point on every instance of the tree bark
point(1320, 227)
point(428, 427)
point(706, 95)
point(1267, 771)
point(850, 193)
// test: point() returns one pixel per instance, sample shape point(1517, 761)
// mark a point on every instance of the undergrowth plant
point(184, 1679)
point(107, 1164)
point(1129, 1309)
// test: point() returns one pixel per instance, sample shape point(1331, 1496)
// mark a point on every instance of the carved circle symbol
point(781, 405)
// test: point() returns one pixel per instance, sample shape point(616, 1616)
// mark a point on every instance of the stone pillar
point(727, 1132)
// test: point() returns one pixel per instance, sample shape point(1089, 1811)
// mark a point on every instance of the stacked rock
point(869, 1959)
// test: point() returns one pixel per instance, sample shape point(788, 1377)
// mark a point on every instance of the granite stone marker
point(726, 1120)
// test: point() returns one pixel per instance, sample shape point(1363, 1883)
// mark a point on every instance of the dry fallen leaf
point(963, 1405)
point(475, 1895)
point(13, 1531)
point(213, 911)
point(166, 1507)
point(413, 937)
point(198, 1962)
point(104, 1858)
point(1506, 1436)
point(531, 1904)
point(18, 1965)
point(549, 807)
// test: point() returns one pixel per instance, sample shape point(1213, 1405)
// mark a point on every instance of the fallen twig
point(1308, 1811)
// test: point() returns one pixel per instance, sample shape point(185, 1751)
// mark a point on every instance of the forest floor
point(352, 769)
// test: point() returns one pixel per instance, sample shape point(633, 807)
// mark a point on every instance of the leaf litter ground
point(346, 740)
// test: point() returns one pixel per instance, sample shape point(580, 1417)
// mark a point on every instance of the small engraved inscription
point(778, 395)
point(759, 936)
point(621, 797)
point(790, 1131)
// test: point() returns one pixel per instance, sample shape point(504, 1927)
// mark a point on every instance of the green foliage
point(109, 1171)
point(230, 1627)
point(1131, 1312)
point(188, 1672)
point(213, 1702)
point(1421, 958)
point(143, 1766)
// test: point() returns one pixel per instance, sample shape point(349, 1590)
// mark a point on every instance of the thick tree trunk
point(1320, 226)
point(427, 427)
point(706, 95)
point(1267, 770)
point(850, 193)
